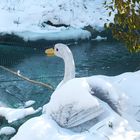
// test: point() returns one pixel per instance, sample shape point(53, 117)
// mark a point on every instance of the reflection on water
point(104, 58)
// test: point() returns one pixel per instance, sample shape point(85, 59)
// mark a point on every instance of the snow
point(128, 84)
point(127, 88)
point(43, 127)
point(112, 127)
point(24, 17)
point(7, 130)
point(29, 103)
point(12, 114)
point(66, 34)
point(99, 38)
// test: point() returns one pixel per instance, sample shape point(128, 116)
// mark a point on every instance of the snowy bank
point(112, 127)
point(67, 34)
point(33, 18)
point(12, 114)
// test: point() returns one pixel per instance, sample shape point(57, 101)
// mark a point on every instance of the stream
point(91, 58)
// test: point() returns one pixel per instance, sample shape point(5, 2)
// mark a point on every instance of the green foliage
point(126, 25)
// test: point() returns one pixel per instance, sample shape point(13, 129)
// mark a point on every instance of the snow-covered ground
point(11, 114)
point(27, 18)
point(112, 127)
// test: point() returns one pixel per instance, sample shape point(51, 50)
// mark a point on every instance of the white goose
point(71, 103)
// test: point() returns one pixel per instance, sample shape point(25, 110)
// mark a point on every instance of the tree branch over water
point(27, 79)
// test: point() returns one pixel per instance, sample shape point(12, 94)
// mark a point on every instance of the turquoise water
point(91, 58)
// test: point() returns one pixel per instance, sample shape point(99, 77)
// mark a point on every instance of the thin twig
point(100, 127)
point(27, 79)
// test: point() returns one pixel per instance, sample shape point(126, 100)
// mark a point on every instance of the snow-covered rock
point(29, 103)
point(7, 130)
point(12, 114)
point(99, 38)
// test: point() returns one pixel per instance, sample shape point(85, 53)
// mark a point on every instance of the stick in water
point(26, 78)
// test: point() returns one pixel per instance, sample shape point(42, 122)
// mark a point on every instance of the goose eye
point(57, 49)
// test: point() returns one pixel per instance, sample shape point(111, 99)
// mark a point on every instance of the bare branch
point(27, 79)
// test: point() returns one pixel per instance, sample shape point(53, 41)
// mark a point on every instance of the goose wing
point(106, 92)
point(68, 116)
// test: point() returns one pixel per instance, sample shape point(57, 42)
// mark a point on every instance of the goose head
point(63, 51)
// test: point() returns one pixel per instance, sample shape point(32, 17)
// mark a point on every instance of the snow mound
point(7, 130)
point(11, 114)
point(43, 127)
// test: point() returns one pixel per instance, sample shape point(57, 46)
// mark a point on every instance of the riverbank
point(44, 22)
point(32, 39)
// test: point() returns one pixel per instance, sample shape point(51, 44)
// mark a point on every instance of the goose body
point(74, 99)
point(70, 107)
